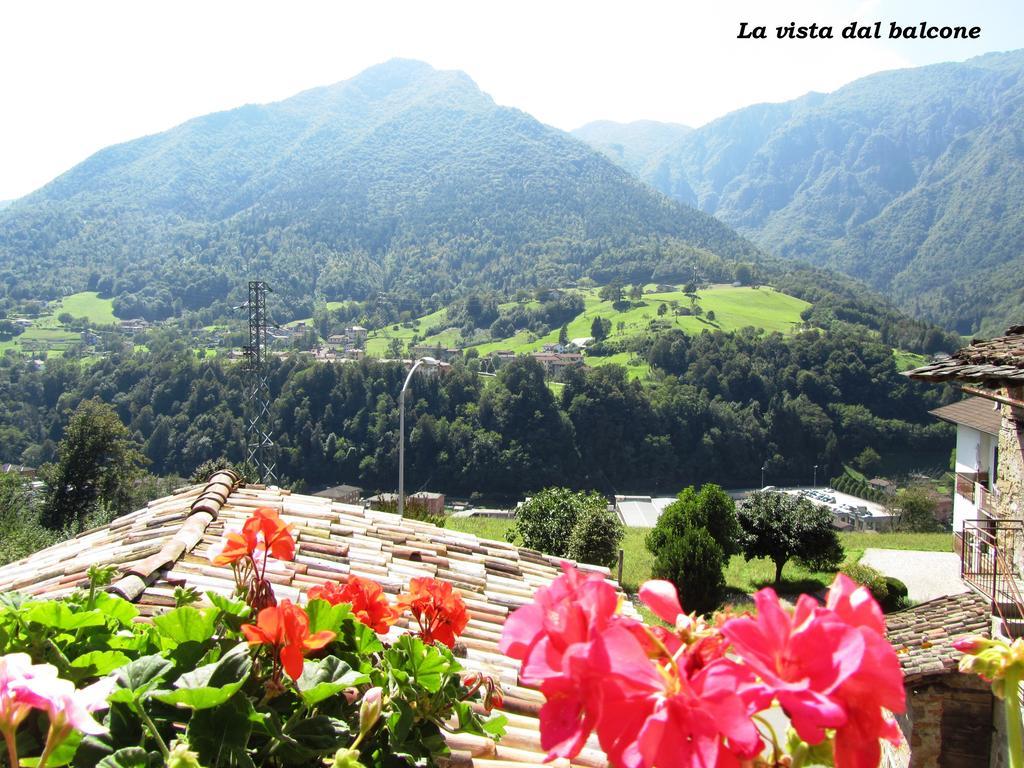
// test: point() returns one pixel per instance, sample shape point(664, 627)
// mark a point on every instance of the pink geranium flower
point(67, 707)
point(15, 669)
point(875, 688)
point(575, 608)
point(800, 658)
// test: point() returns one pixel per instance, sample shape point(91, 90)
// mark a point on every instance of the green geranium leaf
point(116, 608)
point(139, 677)
point(400, 721)
point(213, 684)
point(57, 615)
point(221, 735)
point(237, 608)
point(100, 663)
point(320, 733)
point(323, 615)
point(138, 639)
point(353, 635)
point(186, 624)
point(327, 677)
point(129, 757)
point(426, 664)
point(494, 726)
point(198, 698)
point(233, 613)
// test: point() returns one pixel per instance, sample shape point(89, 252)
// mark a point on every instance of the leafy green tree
point(662, 309)
point(19, 520)
point(611, 292)
point(694, 563)
point(563, 335)
point(545, 522)
point(782, 527)
point(600, 328)
point(97, 463)
point(744, 274)
point(915, 510)
point(868, 460)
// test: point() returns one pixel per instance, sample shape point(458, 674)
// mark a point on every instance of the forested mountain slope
point(403, 178)
point(912, 180)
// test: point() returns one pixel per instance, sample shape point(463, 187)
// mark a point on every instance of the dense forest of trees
point(719, 407)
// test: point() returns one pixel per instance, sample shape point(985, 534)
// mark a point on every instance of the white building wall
point(975, 452)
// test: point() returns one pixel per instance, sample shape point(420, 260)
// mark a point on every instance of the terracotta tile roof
point(974, 412)
point(166, 545)
point(996, 360)
point(923, 635)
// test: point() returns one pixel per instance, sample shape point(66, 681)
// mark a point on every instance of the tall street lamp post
point(763, 468)
point(429, 362)
point(815, 475)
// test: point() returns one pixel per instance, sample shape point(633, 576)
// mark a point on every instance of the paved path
point(927, 574)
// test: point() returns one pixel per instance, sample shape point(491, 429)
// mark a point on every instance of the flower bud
point(369, 709)
point(346, 758)
point(972, 645)
point(182, 757)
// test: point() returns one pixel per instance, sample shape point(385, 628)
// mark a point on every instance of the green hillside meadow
point(733, 308)
point(46, 333)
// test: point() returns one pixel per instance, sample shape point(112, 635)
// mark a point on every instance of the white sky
point(77, 76)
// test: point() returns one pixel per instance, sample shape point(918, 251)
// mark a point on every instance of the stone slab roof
point(923, 635)
point(974, 412)
point(166, 545)
point(992, 361)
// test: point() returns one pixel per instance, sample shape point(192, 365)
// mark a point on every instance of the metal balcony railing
point(988, 550)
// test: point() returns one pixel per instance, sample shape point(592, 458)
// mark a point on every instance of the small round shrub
point(871, 578)
point(896, 587)
point(693, 562)
point(596, 537)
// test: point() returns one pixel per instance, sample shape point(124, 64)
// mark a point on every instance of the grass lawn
point(377, 341)
point(87, 304)
point(740, 575)
point(907, 360)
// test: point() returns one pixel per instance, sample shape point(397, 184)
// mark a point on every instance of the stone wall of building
point(1010, 472)
point(949, 719)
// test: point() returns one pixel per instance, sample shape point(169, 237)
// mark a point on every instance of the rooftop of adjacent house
point(340, 492)
point(984, 361)
point(974, 412)
point(640, 511)
point(923, 635)
point(167, 543)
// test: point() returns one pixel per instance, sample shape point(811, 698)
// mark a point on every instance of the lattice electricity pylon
point(259, 444)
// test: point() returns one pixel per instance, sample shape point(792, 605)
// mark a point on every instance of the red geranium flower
point(264, 532)
point(439, 611)
point(285, 627)
point(366, 597)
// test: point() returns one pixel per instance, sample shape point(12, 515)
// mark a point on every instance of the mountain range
point(910, 180)
point(402, 179)
point(410, 181)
